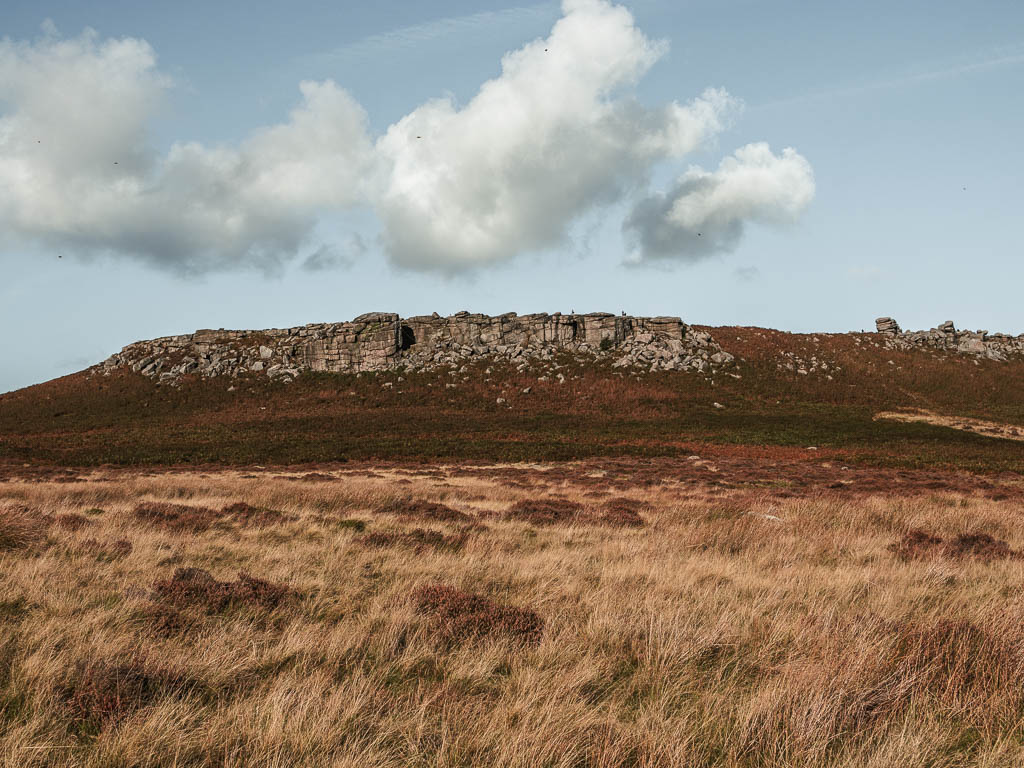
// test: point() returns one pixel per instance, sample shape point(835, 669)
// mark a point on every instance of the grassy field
point(701, 612)
point(814, 559)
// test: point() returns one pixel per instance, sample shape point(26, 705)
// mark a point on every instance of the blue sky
point(901, 197)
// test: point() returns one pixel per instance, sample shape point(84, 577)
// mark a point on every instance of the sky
point(805, 166)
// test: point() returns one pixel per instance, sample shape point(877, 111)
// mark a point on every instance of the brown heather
point(919, 545)
point(463, 615)
point(757, 619)
point(417, 538)
point(258, 517)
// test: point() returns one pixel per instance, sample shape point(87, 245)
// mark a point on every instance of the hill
point(566, 397)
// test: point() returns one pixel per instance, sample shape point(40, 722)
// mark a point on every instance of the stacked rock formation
point(382, 341)
point(887, 325)
point(946, 337)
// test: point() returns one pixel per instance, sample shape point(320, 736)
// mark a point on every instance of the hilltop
point(534, 387)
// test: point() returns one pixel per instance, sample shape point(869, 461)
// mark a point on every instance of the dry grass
point(978, 426)
point(733, 628)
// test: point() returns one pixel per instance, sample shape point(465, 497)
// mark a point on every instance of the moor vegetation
point(484, 414)
point(606, 613)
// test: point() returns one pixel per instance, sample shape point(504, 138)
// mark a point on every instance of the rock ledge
point(381, 341)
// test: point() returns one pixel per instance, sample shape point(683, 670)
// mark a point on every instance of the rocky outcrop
point(887, 325)
point(382, 341)
point(946, 337)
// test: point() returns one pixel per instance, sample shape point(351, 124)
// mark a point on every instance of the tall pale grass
point(728, 631)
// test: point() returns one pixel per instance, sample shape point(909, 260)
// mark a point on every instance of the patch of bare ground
point(963, 423)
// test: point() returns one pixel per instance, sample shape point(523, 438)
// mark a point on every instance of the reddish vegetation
point(323, 418)
point(544, 511)
point(418, 509)
point(920, 545)
point(175, 517)
point(462, 615)
point(314, 477)
point(196, 587)
point(256, 517)
point(109, 551)
point(102, 693)
point(622, 512)
point(418, 538)
point(182, 518)
point(73, 522)
point(166, 620)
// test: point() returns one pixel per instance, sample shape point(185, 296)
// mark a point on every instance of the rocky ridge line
point(381, 341)
point(946, 337)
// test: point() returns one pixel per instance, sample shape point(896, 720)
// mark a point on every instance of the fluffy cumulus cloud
point(76, 170)
point(705, 212)
point(556, 134)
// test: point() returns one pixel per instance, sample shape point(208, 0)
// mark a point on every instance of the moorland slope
point(824, 391)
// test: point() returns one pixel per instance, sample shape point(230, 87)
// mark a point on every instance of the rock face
point(381, 341)
point(887, 325)
point(993, 346)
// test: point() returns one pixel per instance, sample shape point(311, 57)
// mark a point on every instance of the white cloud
point(76, 169)
point(705, 212)
point(554, 135)
point(557, 134)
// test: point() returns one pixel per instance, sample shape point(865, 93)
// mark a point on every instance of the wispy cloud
point(437, 29)
point(984, 61)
